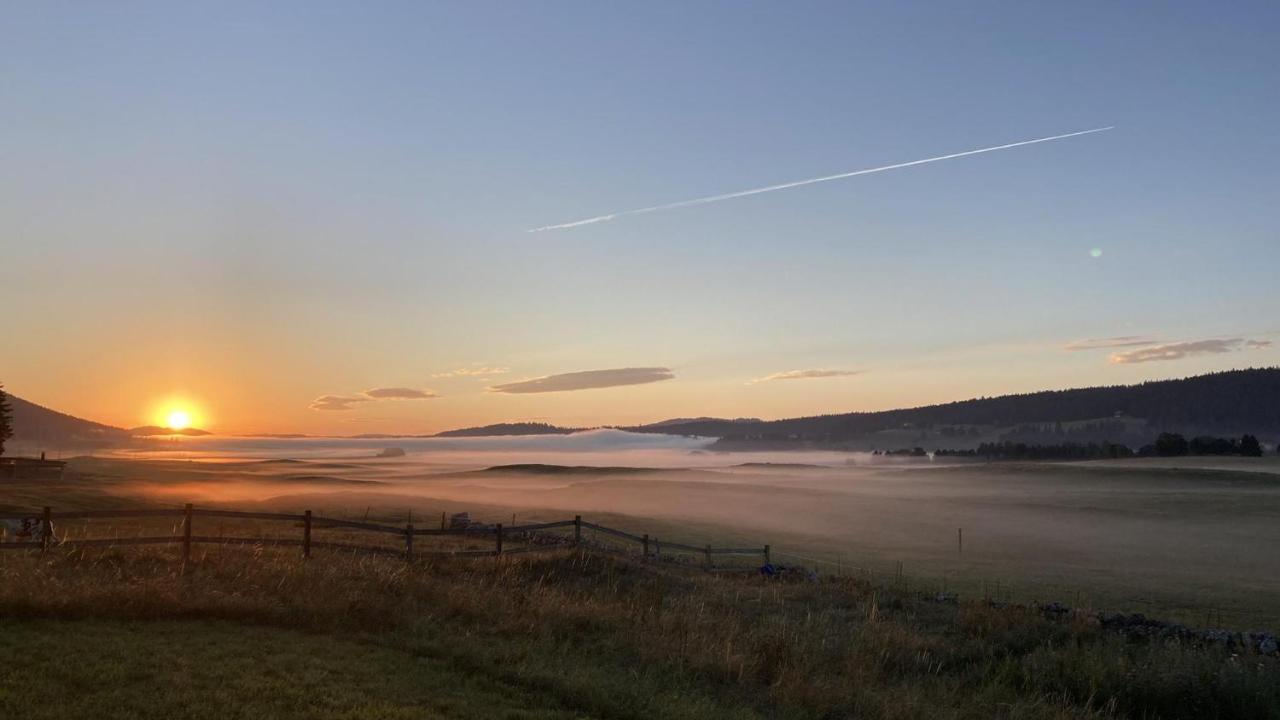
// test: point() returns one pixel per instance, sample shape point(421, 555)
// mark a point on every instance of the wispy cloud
point(807, 375)
point(349, 402)
point(1257, 344)
point(1111, 342)
point(586, 380)
point(473, 372)
point(400, 393)
point(338, 402)
point(1180, 350)
point(810, 181)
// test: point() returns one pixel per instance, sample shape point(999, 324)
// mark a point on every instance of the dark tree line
point(1024, 451)
point(6, 419)
point(1166, 445)
point(905, 452)
point(1174, 445)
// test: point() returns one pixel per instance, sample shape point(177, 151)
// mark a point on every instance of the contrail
point(811, 181)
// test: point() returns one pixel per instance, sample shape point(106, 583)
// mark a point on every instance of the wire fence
point(471, 540)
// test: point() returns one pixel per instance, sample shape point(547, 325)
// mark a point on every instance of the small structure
point(24, 468)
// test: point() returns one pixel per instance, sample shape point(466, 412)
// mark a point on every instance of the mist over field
point(1150, 533)
point(603, 447)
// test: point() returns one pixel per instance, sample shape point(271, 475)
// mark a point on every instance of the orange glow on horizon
point(177, 413)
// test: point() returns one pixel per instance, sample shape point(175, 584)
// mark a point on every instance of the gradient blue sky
point(246, 206)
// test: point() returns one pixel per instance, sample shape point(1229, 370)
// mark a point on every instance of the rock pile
point(1140, 627)
point(1137, 625)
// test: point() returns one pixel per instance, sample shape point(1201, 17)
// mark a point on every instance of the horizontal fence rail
point(42, 533)
point(611, 531)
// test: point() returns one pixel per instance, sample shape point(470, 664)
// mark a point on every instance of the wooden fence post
point(442, 525)
point(708, 557)
point(408, 541)
point(306, 535)
point(186, 535)
point(767, 560)
point(498, 536)
point(959, 541)
point(577, 529)
point(46, 527)
point(646, 546)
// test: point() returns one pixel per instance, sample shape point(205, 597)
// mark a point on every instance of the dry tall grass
point(613, 638)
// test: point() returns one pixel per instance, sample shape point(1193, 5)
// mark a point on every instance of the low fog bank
point(1185, 536)
point(592, 447)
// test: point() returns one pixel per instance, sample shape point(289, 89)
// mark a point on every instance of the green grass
point(220, 670)
point(565, 634)
point(254, 632)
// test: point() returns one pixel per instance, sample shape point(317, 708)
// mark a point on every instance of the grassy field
point(253, 634)
point(250, 631)
point(1187, 540)
point(220, 669)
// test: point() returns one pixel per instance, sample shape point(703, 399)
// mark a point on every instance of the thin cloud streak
point(400, 393)
point(349, 402)
point(586, 380)
point(473, 372)
point(811, 181)
point(1177, 351)
point(338, 402)
point(1109, 343)
point(806, 375)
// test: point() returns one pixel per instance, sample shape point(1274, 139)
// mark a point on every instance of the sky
point(312, 217)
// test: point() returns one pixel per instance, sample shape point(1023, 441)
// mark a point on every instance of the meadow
point(254, 631)
point(1188, 540)
point(239, 633)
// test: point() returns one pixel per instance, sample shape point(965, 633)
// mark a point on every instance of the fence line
point(44, 536)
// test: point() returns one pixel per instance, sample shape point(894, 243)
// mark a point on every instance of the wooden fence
point(649, 546)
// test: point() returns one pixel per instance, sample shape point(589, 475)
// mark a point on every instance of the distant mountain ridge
point(688, 421)
point(36, 425)
point(1224, 403)
point(500, 429)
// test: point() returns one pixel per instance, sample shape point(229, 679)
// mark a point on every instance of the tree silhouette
point(1171, 445)
point(6, 419)
point(1250, 447)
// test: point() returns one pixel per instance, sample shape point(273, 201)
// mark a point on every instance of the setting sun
point(178, 420)
point(177, 412)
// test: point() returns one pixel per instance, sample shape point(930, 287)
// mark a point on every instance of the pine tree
point(6, 419)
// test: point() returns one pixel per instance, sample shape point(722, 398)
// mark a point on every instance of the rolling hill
point(35, 425)
point(1223, 403)
point(37, 428)
point(524, 428)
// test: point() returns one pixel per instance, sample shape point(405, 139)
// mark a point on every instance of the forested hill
point(38, 425)
point(1229, 402)
point(508, 429)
